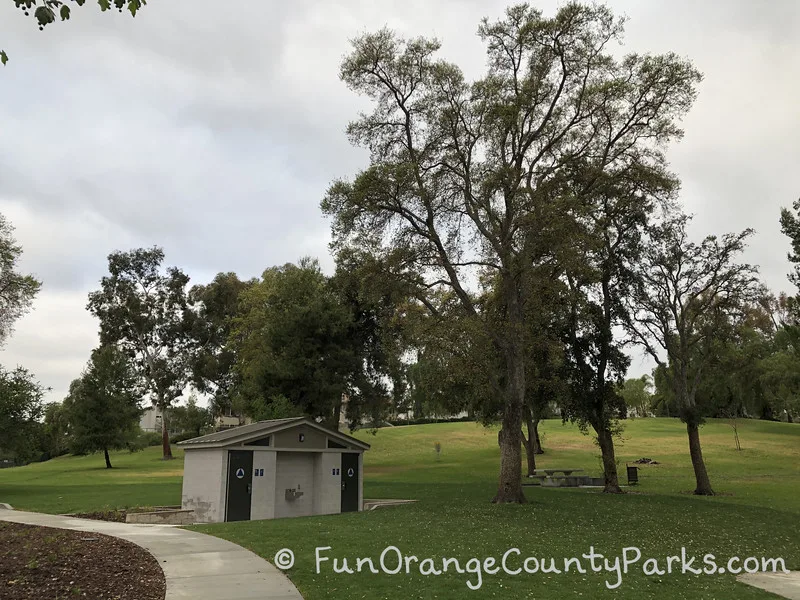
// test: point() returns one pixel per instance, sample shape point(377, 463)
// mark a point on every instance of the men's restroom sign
point(240, 473)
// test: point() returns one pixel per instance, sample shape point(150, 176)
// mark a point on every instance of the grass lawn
point(756, 514)
point(82, 483)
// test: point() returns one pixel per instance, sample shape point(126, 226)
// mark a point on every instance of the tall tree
point(48, 11)
point(55, 431)
point(145, 312)
point(103, 409)
point(215, 305)
point(192, 418)
point(610, 223)
point(780, 377)
point(21, 407)
point(685, 293)
point(382, 310)
point(458, 170)
point(637, 396)
point(790, 226)
point(294, 339)
point(17, 291)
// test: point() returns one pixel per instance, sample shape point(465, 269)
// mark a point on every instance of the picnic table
point(551, 472)
point(548, 477)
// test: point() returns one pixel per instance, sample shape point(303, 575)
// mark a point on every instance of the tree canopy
point(21, 406)
point(17, 291)
point(464, 176)
point(103, 405)
point(686, 298)
point(45, 12)
point(145, 312)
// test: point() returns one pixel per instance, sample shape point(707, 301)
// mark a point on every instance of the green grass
point(82, 483)
point(756, 514)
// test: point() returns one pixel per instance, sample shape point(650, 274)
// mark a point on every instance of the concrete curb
point(195, 565)
point(6, 506)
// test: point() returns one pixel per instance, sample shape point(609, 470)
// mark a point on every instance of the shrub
point(145, 439)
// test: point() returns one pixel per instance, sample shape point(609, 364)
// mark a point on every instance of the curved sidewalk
point(196, 566)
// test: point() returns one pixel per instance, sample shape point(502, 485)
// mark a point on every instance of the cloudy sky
point(212, 129)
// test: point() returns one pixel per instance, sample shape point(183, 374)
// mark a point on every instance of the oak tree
point(459, 171)
point(684, 293)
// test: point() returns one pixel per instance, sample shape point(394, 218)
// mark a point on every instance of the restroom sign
point(240, 473)
point(350, 472)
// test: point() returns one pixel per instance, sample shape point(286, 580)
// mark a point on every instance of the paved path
point(786, 585)
point(196, 566)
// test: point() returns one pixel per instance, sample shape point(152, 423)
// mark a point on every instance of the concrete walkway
point(786, 585)
point(196, 566)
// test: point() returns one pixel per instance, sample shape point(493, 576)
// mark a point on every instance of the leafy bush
point(144, 440)
point(277, 407)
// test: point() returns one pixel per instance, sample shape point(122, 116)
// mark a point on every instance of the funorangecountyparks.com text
point(392, 561)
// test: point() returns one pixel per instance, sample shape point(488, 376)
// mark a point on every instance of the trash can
point(633, 475)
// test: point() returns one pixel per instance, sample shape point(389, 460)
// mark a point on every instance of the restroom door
point(240, 485)
point(349, 482)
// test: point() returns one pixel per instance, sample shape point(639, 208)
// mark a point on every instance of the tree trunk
point(606, 442)
point(165, 447)
point(700, 474)
point(537, 441)
point(337, 415)
point(108, 460)
point(530, 444)
point(510, 486)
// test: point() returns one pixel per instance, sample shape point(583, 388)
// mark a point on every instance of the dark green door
point(349, 482)
point(240, 485)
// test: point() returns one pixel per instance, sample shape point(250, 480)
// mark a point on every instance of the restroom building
point(272, 469)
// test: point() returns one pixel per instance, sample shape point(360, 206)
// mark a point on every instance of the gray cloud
point(214, 131)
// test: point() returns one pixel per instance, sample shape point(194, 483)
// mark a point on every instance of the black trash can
point(633, 475)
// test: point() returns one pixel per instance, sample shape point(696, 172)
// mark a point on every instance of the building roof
point(245, 433)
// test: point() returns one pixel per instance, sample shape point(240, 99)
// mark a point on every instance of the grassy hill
point(756, 514)
point(82, 483)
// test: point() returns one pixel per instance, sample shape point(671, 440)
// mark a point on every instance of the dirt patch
point(43, 563)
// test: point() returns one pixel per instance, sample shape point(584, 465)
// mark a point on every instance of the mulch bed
point(118, 516)
point(43, 563)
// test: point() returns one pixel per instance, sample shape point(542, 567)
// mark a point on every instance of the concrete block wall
point(262, 501)
point(163, 517)
point(294, 470)
point(204, 480)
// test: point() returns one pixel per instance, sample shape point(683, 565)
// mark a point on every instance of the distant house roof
point(246, 433)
